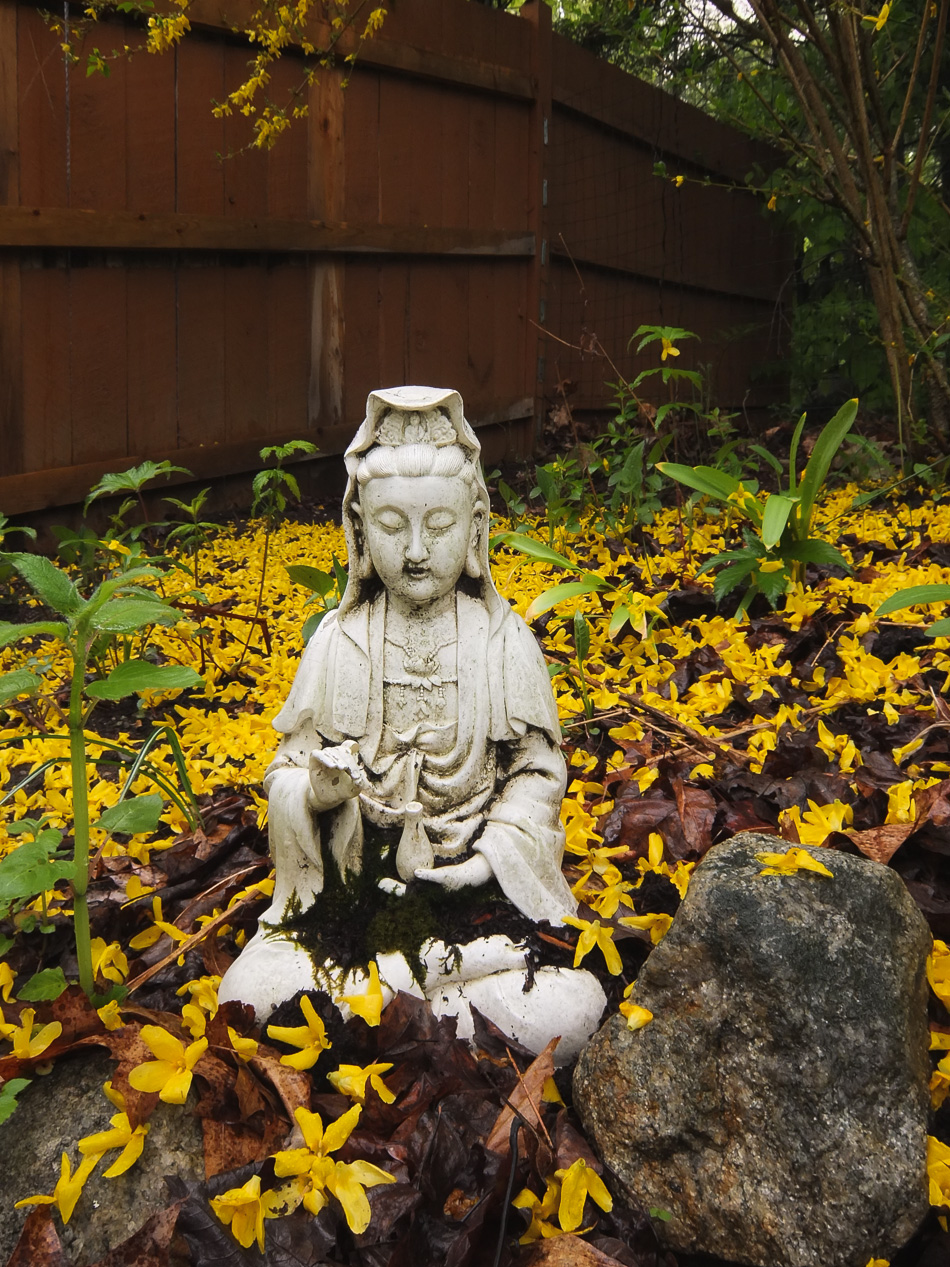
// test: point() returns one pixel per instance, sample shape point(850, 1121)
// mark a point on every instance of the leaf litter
point(814, 723)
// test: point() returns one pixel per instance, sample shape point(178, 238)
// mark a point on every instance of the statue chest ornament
point(453, 778)
point(420, 683)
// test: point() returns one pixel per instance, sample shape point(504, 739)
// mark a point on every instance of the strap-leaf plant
point(119, 606)
point(781, 540)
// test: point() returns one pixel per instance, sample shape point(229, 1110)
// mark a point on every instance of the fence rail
point(472, 208)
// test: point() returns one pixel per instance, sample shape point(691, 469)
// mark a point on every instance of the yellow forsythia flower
point(369, 1004)
point(790, 862)
point(595, 934)
point(351, 1080)
point(310, 1038)
point(244, 1210)
point(170, 1075)
point(578, 1183)
point(68, 1187)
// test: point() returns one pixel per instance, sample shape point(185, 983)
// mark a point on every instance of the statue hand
point(336, 775)
point(468, 874)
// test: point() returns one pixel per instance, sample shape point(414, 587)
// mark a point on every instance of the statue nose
point(418, 550)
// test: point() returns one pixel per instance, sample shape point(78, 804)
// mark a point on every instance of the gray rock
point(53, 1113)
point(777, 1104)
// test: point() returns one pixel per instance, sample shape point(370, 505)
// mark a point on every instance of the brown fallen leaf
point(525, 1099)
point(39, 1244)
point(881, 843)
point(567, 1251)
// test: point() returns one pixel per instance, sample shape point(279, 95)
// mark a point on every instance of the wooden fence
point(469, 211)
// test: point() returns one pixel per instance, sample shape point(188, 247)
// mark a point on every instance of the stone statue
point(419, 752)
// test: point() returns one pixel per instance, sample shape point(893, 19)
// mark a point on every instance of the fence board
point(97, 363)
point(152, 343)
point(199, 137)
point(150, 134)
point(47, 440)
point(97, 151)
point(43, 113)
point(201, 384)
point(246, 359)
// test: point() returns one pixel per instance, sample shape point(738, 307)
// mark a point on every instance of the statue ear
point(473, 566)
point(359, 538)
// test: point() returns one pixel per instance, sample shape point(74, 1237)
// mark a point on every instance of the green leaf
point(124, 615)
point(47, 984)
point(8, 1094)
point(140, 814)
point(19, 682)
point(30, 869)
point(774, 518)
point(559, 593)
point(822, 455)
point(311, 625)
point(704, 479)
point(793, 454)
point(132, 480)
point(47, 581)
point(618, 619)
point(311, 578)
point(730, 577)
point(912, 596)
point(6, 944)
point(772, 584)
point(939, 629)
point(581, 637)
point(14, 633)
point(814, 550)
point(141, 675)
point(772, 460)
point(536, 550)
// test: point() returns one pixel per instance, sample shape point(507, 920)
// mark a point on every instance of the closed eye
point(390, 520)
point(440, 520)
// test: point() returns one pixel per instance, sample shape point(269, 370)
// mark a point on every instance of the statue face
point(418, 531)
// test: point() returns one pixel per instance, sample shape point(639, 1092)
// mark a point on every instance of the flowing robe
point(494, 787)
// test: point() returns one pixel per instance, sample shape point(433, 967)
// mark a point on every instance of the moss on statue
point(353, 920)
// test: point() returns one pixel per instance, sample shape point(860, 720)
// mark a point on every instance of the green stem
point(77, 767)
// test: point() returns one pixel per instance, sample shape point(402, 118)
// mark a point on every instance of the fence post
point(538, 13)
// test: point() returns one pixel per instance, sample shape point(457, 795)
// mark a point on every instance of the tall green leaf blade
point(125, 615)
point(140, 675)
point(47, 581)
point(704, 479)
point(581, 637)
point(912, 596)
point(793, 454)
point(560, 593)
point(774, 518)
point(536, 550)
point(822, 455)
point(141, 814)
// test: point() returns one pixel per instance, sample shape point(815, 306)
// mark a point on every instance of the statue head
point(416, 507)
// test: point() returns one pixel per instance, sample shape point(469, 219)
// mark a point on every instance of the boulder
point(776, 1106)
point(52, 1114)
